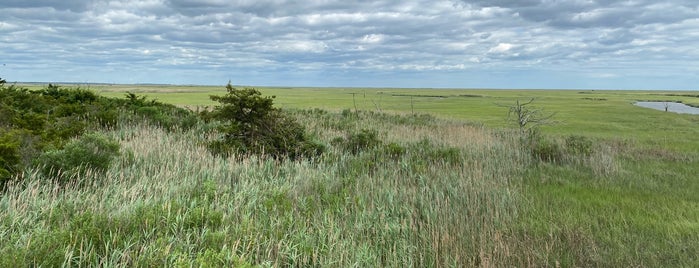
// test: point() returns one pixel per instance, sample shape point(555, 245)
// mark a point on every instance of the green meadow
point(448, 182)
point(594, 113)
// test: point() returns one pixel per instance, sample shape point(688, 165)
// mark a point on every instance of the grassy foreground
point(436, 192)
point(169, 202)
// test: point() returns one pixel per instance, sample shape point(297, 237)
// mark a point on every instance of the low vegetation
point(147, 187)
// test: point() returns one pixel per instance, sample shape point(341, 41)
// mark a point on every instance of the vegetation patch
point(37, 125)
point(91, 152)
point(250, 124)
point(355, 143)
point(680, 95)
point(470, 96)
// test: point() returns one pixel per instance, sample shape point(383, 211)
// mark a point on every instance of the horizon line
point(335, 87)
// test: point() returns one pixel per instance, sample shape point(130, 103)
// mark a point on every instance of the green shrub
point(39, 123)
point(64, 128)
point(31, 121)
point(6, 115)
point(364, 139)
point(394, 150)
point(426, 151)
point(107, 117)
point(312, 148)
point(72, 96)
point(9, 156)
point(46, 119)
point(156, 116)
point(543, 148)
point(347, 113)
point(68, 109)
point(18, 148)
point(166, 116)
point(222, 147)
point(251, 125)
point(89, 152)
point(547, 150)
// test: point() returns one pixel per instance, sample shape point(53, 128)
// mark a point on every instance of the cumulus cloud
point(607, 14)
point(270, 41)
point(74, 5)
point(501, 48)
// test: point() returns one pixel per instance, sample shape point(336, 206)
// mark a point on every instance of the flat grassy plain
point(594, 113)
point(461, 193)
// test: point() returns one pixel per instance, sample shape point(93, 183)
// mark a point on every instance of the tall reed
point(445, 201)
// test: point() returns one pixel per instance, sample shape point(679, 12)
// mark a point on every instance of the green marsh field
point(596, 113)
point(444, 180)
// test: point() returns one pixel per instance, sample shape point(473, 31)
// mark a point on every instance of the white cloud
point(373, 38)
point(501, 48)
point(296, 46)
point(345, 37)
point(5, 26)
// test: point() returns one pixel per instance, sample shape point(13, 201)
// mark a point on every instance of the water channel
point(674, 107)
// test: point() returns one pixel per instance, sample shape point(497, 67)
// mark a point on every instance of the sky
point(539, 44)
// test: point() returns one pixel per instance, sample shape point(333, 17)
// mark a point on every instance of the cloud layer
point(417, 43)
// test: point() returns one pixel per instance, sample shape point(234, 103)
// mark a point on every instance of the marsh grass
point(431, 193)
point(167, 201)
point(625, 205)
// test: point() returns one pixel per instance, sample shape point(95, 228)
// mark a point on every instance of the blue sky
point(574, 44)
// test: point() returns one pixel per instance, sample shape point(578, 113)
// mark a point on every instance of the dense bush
point(9, 156)
point(251, 125)
point(394, 150)
point(167, 116)
point(358, 142)
point(541, 147)
point(571, 149)
point(547, 150)
point(364, 139)
point(32, 122)
point(91, 151)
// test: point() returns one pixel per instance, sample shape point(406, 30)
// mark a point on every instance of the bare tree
point(528, 117)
